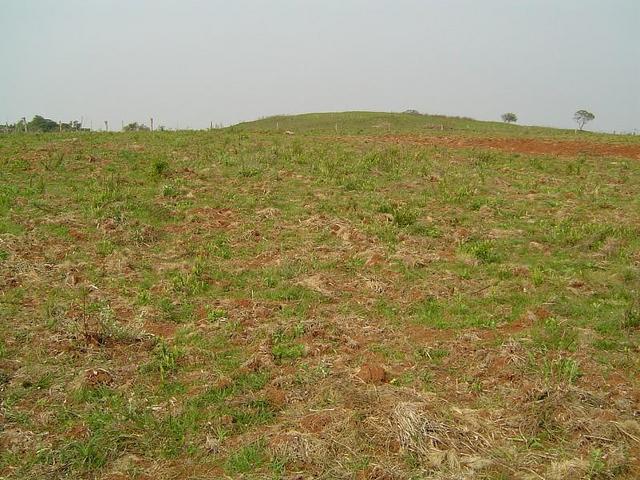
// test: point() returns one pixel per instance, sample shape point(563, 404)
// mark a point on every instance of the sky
point(187, 63)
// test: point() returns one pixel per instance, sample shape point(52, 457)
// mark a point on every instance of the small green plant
point(159, 167)
point(569, 369)
point(192, 282)
point(483, 250)
point(214, 315)
point(105, 248)
point(554, 334)
point(403, 216)
point(631, 318)
point(434, 355)
point(563, 369)
point(429, 313)
point(166, 359)
point(219, 247)
point(286, 351)
point(54, 161)
point(597, 464)
point(170, 191)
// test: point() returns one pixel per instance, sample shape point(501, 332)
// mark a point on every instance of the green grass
point(233, 283)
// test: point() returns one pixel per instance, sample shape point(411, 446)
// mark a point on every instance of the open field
point(378, 296)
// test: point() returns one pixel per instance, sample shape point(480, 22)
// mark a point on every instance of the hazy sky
point(192, 62)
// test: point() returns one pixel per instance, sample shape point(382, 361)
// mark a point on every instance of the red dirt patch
point(372, 373)
point(569, 148)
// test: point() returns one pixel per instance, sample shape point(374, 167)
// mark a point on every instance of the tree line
point(40, 124)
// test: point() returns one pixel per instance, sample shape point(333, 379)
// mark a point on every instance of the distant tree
point(411, 111)
point(509, 117)
point(582, 117)
point(41, 124)
point(135, 127)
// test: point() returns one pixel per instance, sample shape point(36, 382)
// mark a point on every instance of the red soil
point(519, 145)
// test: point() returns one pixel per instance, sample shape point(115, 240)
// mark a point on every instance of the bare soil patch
point(567, 148)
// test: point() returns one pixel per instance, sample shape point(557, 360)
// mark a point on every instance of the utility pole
point(60, 125)
point(151, 122)
point(24, 121)
point(106, 125)
point(122, 125)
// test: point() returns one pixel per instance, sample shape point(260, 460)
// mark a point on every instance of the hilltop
point(380, 123)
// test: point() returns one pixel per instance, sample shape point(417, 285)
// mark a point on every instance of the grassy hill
point(381, 123)
point(246, 304)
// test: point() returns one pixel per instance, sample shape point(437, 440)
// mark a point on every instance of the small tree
point(135, 127)
point(509, 117)
point(581, 117)
point(41, 124)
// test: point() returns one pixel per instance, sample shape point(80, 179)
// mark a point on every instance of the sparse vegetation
point(375, 303)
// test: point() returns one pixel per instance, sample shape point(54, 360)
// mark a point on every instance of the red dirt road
point(569, 148)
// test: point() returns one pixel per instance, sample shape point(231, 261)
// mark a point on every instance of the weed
point(54, 161)
point(597, 464)
point(554, 334)
point(403, 216)
point(159, 167)
point(483, 250)
point(170, 191)
point(216, 314)
point(631, 317)
point(166, 359)
point(561, 369)
point(286, 351)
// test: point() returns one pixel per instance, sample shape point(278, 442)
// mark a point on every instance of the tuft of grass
point(631, 318)
point(553, 334)
point(160, 167)
point(287, 351)
point(403, 215)
point(483, 250)
point(247, 459)
point(165, 359)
